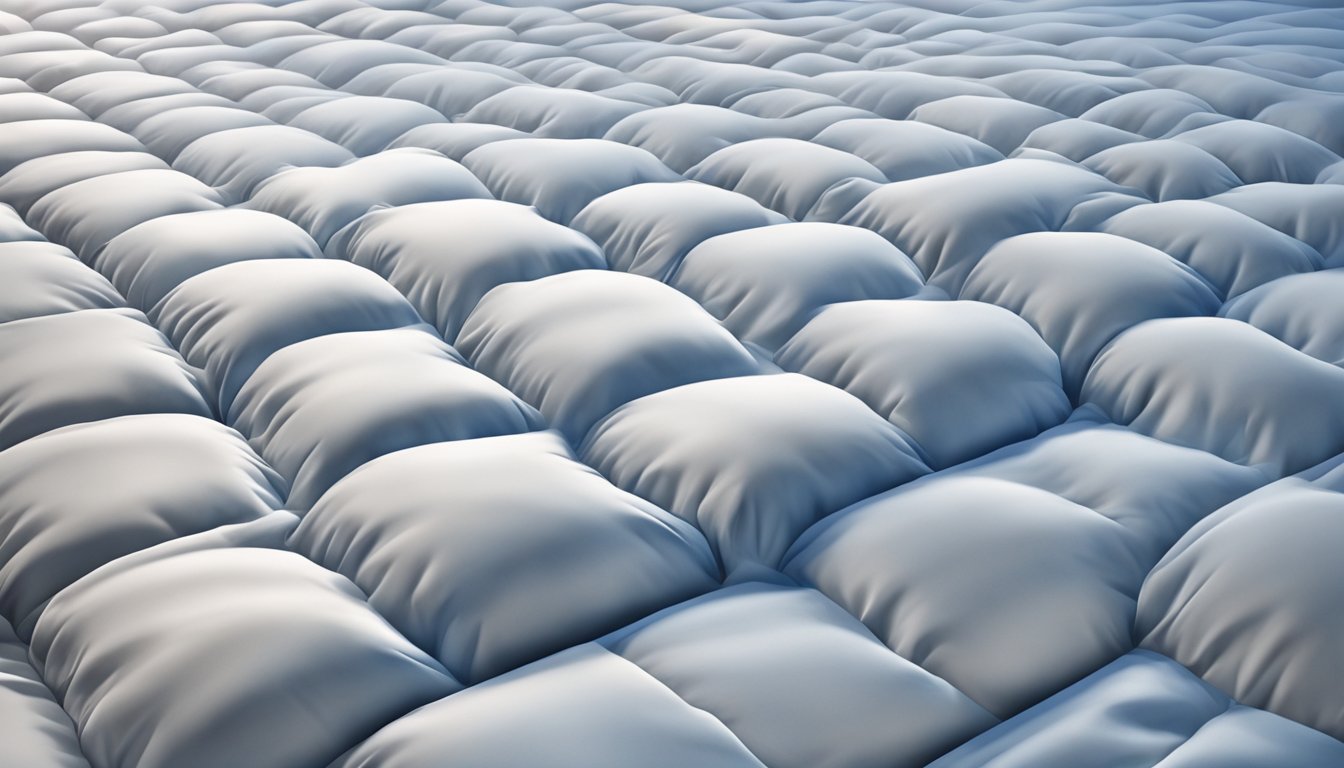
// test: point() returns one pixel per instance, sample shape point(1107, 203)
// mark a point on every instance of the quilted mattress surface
point(681, 384)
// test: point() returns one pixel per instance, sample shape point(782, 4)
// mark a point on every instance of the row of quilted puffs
point(671, 338)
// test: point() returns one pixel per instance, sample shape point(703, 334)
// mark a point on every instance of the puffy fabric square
point(66, 507)
point(25, 140)
point(1257, 152)
point(751, 461)
point(682, 135)
point(1145, 709)
point(35, 729)
point(395, 389)
point(578, 344)
point(86, 214)
point(783, 666)
point(170, 131)
point(323, 200)
point(937, 571)
point(228, 320)
point(236, 161)
point(15, 229)
point(583, 708)
point(790, 176)
point(906, 149)
point(22, 107)
point(1306, 212)
point(985, 204)
point(552, 112)
point(295, 656)
point(1233, 252)
point(999, 123)
point(559, 177)
point(1206, 400)
point(764, 284)
point(1164, 170)
point(454, 140)
point(647, 229)
point(466, 560)
point(363, 124)
point(149, 260)
point(1239, 563)
point(45, 279)
point(30, 181)
point(1079, 290)
point(884, 352)
point(85, 366)
point(445, 257)
point(1156, 490)
point(1300, 312)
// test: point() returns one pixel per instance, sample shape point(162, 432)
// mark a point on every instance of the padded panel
point(1108, 719)
point(764, 284)
point(1164, 170)
point(266, 620)
point(751, 461)
point(927, 568)
point(84, 366)
point(559, 177)
point(1081, 289)
point(86, 214)
point(552, 112)
point(1156, 490)
point(393, 389)
point(1299, 310)
point(66, 508)
point(363, 124)
point(228, 320)
point(32, 180)
point(25, 140)
point(583, 708)
point(1173, 379)
point(445, 257)
point(1234, 253)
point(1215, 601)
point(1245, 737)
point(498, 596)
point(1307, 212)
point(1136, 710)
point(239, 159)
point(788, 671)
point(647, 229)
point(983, 205)
point(323, 200)
point(883, 351)
point(906, 149)
point(35, 729)
point(1257, 152)
point(790, 176)
point(578, 344)
point(149, 260)
point(45, 279)
point(999, 123)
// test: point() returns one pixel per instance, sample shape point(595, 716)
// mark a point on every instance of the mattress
point(689, 384)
